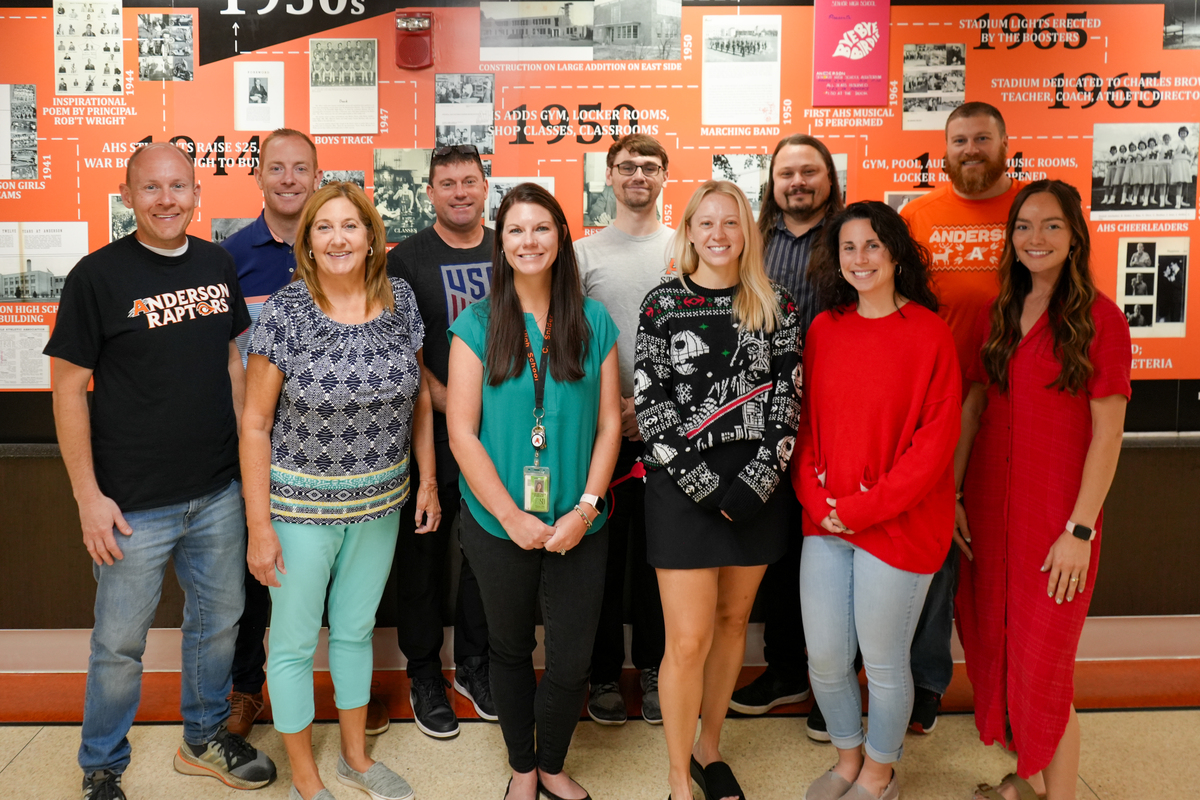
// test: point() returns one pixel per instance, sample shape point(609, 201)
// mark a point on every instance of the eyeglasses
point(649, 169)
point(464, 149)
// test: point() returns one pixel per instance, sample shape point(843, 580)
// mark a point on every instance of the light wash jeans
point(850, 600)
point(206, 540)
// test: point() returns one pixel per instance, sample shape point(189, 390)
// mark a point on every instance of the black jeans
point(420, 568)
point(249, 653)
point(571, 589)
point(779, 594)
point(627, 545)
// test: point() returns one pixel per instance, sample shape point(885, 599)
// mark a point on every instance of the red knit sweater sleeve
point(930, 449)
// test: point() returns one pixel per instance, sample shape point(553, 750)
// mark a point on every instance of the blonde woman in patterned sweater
point(718, 401)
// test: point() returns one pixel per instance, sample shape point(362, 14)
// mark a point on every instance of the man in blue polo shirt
point(287, 174)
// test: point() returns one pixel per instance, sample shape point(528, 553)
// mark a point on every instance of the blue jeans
point(851, 600)
point(206, 540)
point(932, 663)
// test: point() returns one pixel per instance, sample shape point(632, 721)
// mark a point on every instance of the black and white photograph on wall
point(399, 183)
point(35, 258)
point(637, 30)
point(934, 82)
point(1152, 285)
point(357, 176)
point(1139, 315)
point(740, 69)
point(1139, 284)
point(343, 86)
point(258, 95)
point(87, 46)
point(898, 200)
point(18, 131)
point(121, 221)
point(165, 47)
point(478, 135)
point(1144, 170)
point(536, 30)
point(750, 171)
point(223, 228)
point(1140, 255)
point(498, 187)
point(599, 202)
point(1172, 289)
point(1181, 25)
point(463, 110)
point(471, 88)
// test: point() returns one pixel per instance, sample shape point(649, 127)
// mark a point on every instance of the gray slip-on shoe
point(379, 781)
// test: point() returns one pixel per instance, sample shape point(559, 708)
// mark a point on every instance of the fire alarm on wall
point(414, 39)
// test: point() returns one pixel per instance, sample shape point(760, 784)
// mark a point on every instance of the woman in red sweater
point(1042, 427)
point(874, 472)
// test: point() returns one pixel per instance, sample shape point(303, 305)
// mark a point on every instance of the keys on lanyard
point(537, 436)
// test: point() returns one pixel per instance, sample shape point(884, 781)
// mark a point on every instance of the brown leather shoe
point(377, 716)
point(243, 710)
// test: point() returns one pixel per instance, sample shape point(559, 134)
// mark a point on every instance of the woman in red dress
point(1041, 433)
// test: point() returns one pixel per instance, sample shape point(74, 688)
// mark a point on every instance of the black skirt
point(680, 534)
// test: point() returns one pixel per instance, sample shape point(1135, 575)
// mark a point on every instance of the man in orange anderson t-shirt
point(963, 226)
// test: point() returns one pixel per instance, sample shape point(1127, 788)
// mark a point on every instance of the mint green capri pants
point(358, 558)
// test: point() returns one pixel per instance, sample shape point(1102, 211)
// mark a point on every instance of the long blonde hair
point(755, 306)
point(379, 288)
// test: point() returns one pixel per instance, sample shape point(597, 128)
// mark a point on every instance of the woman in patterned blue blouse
point(333, 401)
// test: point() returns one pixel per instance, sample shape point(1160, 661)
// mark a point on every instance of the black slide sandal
point(698, 777)
point(720, 782)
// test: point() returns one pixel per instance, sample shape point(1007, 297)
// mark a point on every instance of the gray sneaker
point(651, 710)
point(606, 705)
point(227, 757)
point(379, 781)
point(102, 785)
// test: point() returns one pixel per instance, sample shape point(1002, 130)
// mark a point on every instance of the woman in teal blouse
point(534, 415)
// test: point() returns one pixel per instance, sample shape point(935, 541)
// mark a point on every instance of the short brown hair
point(379, 288)
point(978, 109)
point(283, 133)
point(640, 144)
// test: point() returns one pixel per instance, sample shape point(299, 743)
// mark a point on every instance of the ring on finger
point(1073, 579)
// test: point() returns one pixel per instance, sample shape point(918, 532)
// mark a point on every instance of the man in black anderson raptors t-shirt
point(154, 467)
point(449, 266)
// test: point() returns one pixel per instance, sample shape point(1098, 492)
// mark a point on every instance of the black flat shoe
point(542, 790)
point(719, 782)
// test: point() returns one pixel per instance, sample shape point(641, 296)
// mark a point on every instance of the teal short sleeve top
point(506, 418)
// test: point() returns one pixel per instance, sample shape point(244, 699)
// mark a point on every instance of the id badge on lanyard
point(537, 477)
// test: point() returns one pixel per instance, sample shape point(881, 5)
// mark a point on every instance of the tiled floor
point(1128, 755)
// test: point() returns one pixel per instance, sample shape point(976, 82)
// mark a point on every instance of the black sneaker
point(815, 727)
point(102, 785)
point(606, 705)
point(227, 757)
point(767, 691)
point(472, 679)
point(925, 711)
point(431, 708)
point(651, 707)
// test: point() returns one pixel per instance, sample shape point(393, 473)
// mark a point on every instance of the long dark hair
point(1070, 307)
point(505, 352)
point(768, 214)
point(911, 257)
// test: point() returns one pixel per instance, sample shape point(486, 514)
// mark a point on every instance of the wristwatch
point(594, 501)
point(1082, 532)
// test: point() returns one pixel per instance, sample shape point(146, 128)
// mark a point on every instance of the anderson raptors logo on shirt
point(966, 247)
point(184, 304)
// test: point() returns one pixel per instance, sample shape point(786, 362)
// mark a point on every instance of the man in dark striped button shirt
point(801, 193)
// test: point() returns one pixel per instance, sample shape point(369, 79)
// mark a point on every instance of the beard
point(977, 180)
point(805, 201)
point(639, 198)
